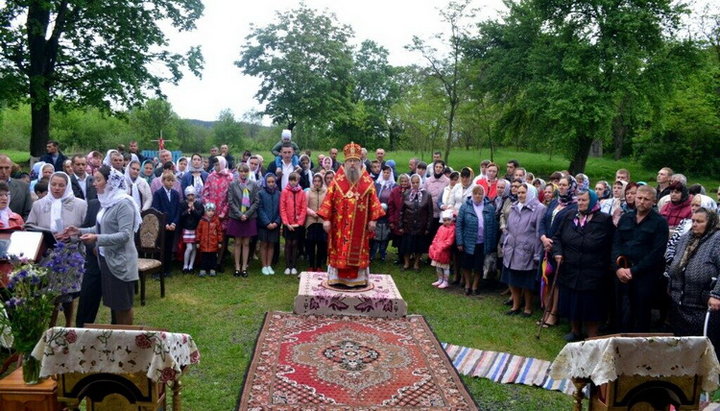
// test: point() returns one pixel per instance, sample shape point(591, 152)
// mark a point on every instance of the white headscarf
point(115, 191)
point(57, 203)
point(178, 173)
point(381, 181)
point(707, 202)
point(108, 157)
point(530, 197)
point(132, 184)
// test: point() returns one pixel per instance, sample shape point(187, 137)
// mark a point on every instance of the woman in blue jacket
point(269, 221)
point(476, 236)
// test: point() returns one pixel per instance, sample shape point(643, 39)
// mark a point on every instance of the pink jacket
point(440, 247)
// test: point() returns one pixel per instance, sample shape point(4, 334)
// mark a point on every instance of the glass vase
point(31, 369)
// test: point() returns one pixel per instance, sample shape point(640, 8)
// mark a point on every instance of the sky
point(222, 29)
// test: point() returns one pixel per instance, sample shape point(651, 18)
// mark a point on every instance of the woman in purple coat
point(522, 248)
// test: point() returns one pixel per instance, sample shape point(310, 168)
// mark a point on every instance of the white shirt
point(286, 170)
point(83, 185)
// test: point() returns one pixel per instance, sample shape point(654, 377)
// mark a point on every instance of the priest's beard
point(352, 173)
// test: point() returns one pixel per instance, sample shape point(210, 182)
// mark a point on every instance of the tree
point(89, 53)
point(227, 130)
point(448, 69)
point(155, 119)
point(305, 63)
point(568, 66)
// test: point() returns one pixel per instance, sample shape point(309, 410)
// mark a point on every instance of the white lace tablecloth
point(603, 360)
point(162, 355)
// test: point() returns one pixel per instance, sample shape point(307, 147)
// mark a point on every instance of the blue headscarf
point(593, 207)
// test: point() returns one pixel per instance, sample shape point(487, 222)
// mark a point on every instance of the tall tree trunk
point(448, 143)
point(42, 64)
point(620, 132)
point(40, 126)
point(580, 156)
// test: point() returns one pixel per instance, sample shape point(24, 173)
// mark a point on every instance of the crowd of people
point(601, 256)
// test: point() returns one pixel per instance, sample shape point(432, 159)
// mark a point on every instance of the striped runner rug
point(505, 368)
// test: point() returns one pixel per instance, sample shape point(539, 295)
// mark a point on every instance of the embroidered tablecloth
point(381, 297)
point(162, 355)
point(603, 360)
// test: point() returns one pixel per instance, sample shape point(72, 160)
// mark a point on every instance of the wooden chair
point(150, 243)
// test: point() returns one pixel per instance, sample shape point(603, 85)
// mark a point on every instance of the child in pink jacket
point(440, 249)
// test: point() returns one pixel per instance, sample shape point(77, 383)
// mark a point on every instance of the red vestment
point(349, 208)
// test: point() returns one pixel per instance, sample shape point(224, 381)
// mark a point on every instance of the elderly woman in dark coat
point(416, 216)
point(694, 288)
point(582, 246)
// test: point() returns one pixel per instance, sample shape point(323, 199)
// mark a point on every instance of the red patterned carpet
point(350, 362)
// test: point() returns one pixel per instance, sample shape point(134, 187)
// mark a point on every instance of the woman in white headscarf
point(522, 248)
point(137, 187)
point(59, 208)
point(114, 159)
point(54, 212)
point(181, 167)
point(117, 221)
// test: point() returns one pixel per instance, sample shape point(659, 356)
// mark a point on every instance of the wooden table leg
point(579, 384)
point(176, 387)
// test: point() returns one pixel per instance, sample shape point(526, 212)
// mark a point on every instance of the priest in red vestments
point(350, 210)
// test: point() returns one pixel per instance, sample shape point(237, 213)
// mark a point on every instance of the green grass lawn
point(224, 315)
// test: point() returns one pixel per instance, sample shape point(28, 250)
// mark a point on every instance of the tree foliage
point(305, 62)
point(449, 69)
point(314, 81)
point(565, 66)
point(90, 54)
point(228, 131)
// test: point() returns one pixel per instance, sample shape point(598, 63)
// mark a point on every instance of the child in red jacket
point(440, 248)
point(210, 238)
point(293, 210)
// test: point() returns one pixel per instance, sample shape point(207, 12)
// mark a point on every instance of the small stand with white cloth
point(626, 371)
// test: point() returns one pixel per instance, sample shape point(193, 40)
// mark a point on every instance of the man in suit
point(53, 155)
point(81, 181)
point(20, 199)
point(167, 201)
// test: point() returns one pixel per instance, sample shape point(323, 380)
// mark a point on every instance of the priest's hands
point(371, 226)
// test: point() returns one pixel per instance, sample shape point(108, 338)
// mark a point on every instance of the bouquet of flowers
point(35, 291)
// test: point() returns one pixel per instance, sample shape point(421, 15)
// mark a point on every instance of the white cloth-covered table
point(162, 355)
point(603, 360)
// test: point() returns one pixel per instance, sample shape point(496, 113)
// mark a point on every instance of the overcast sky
point(222, 30)
point(225, 24)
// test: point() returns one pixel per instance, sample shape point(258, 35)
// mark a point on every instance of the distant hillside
point(201, 123)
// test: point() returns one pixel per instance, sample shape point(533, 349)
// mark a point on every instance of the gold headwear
point(352, 151)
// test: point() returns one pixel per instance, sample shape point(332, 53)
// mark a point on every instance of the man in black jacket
point(53, 155)
point(82, 182)
point(638, 260)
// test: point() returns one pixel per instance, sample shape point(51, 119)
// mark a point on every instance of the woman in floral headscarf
point(216, 191)
point(694, 289)
point(416, 216)
point(565, 204)
point(582, 243)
